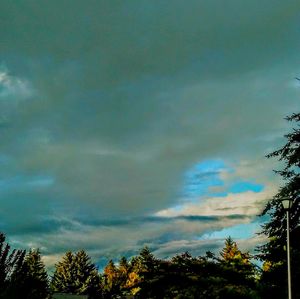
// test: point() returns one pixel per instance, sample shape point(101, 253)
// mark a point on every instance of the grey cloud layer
point(122, 97)
point(111, 239)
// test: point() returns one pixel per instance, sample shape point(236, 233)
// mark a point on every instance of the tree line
point(231, 274)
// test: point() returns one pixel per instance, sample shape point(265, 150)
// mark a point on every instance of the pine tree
point(147, 260)
point(30, 280)
point(11, 262)
point(274, 252)
point(232, 255)
point(290, 155)
point(64, 275)
point(37, 278)
point(76, 274)
point(146, 266)
point(237, 271)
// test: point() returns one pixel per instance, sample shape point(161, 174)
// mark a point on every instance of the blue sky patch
point(202, 176)
point(240, 231)
point(244, 186)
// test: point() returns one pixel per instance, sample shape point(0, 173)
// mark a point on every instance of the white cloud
point(13, 86)
point(247, 203)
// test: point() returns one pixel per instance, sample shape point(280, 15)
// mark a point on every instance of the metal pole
point(288, 254)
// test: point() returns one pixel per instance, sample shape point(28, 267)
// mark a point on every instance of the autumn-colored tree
point(111, 285)
point(236, 261)
point(133, 277)
point(238, 270)
point(232, 254)
point(124, 271)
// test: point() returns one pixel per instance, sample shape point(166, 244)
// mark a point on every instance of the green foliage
point(290, 155)
point(273, 253)
point(76, 274)
point(31, 279)
point(197, 277)
point(11, 263)
point(68, 296)
point(64, 275)
point(232, 256)
point(144, 276)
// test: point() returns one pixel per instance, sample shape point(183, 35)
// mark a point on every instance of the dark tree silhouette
point(11, 262)
point(30, 280)
point(273, 253)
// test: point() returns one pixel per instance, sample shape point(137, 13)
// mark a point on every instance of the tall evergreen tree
point(11, 261)
point(30, 280)
point(290, 155)
point(273, 253)
point(37, 278)
point(64, 275)
point(147, 260)
point(76, 274)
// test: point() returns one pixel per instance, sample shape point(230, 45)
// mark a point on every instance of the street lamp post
point(287, 204)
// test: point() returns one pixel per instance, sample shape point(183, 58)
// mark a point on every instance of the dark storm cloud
point(43, 225)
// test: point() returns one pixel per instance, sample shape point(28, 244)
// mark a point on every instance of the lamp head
point(287, 203)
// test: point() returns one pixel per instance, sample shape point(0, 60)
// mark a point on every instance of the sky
point(133, 123)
